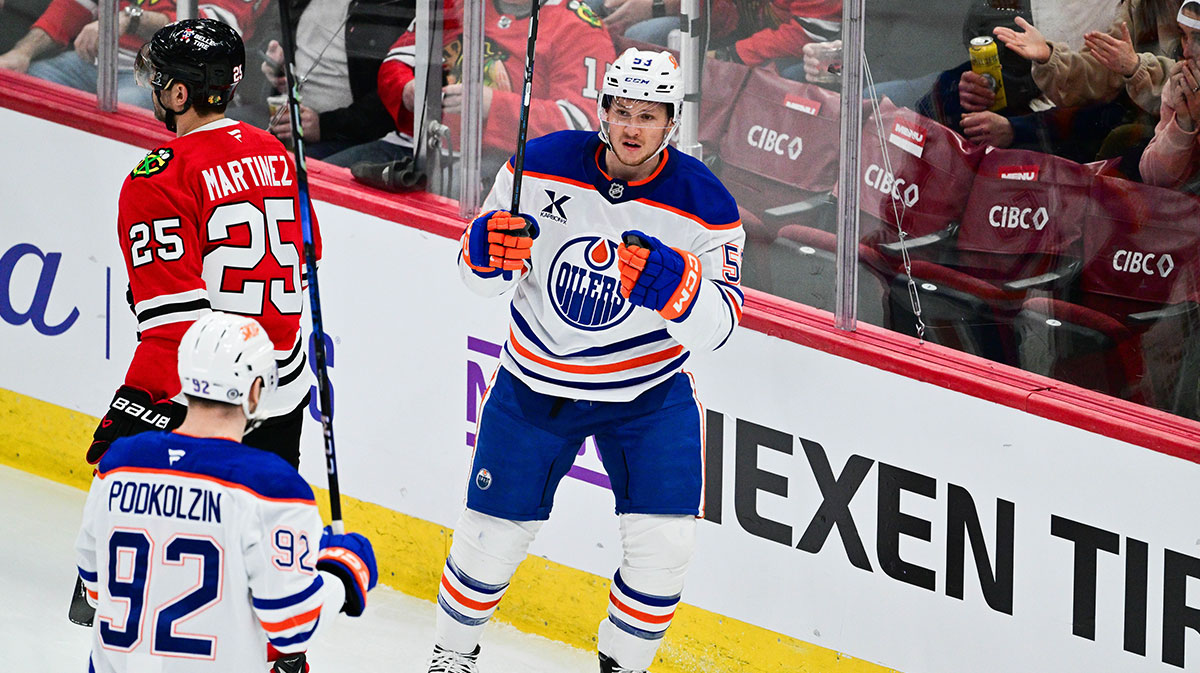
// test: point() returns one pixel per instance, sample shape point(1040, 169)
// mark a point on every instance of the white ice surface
point(37, 574)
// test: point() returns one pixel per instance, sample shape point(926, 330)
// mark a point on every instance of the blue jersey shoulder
point(692, 188)
point(264, 473)
point(560, 154)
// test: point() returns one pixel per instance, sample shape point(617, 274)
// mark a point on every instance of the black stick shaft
point(310, 259)
point(523, 127)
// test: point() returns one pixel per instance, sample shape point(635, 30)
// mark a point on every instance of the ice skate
point(449, 661)
point(609, 665)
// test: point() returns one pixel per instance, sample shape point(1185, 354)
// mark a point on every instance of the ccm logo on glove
point(687, 288)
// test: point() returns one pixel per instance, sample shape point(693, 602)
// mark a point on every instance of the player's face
point(636, 129)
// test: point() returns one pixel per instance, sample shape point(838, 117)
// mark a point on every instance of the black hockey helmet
point(206, 55)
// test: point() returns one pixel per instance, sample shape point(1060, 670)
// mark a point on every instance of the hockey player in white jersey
point(201, 554)
point(627, 260)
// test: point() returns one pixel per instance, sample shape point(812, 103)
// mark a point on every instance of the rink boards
point(853, 514)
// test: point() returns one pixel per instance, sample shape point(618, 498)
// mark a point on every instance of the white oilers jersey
point(196, 553)
point(572, 334)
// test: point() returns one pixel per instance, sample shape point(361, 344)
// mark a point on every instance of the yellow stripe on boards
point(45, 439)
point(545, 598)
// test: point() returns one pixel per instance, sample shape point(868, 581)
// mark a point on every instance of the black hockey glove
point(132, 411)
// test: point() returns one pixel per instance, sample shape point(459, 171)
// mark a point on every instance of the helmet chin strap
point(171, 115)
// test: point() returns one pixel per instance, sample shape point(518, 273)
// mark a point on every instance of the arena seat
point(804, 269)
point(778, 145)
point(932, 169)
point(1136, 308)
point(1020, 234)
point(720, 88)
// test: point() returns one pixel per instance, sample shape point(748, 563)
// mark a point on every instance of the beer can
point(985, 60)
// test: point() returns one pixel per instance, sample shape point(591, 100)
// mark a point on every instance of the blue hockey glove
point(497, 240)
point(656, 276)
point(351, 558)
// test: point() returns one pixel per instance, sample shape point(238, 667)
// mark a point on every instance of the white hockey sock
point(636, 624)
point(466, 606)
point(646, 589)
point(484, 556)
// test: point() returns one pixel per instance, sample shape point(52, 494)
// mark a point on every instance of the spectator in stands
point(16, 18)
point(1067, 21)
point(776, 31)
point(1107, 94)
point(340, 45)
point(960, 90)
point(1171, 160)
point(652, 21)
point(71, 25)
point(1134, 57)
point(571, 52)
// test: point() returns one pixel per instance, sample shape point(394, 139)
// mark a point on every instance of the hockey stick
point(310, 259)
point(523, 126)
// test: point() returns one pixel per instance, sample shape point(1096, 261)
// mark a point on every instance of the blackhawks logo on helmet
point(583, 11)
point(154, 163)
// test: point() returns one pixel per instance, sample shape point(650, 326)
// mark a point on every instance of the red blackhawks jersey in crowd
point(571, 54)
point(781, 28)
point(210, 221)
point(63, 19)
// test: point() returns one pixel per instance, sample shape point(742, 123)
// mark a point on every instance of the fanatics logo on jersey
point(585, 286)
point(483, 479)
point(174, 455)
point(237, 134)
point(554, 210)
point(153, 163)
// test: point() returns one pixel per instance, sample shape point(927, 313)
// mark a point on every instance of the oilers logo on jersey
point(587, 286)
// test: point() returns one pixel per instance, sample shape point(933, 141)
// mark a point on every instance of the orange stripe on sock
point(457, 595)
point(638, 615)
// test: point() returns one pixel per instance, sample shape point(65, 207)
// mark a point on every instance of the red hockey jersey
point(63, 19)
point(781, 28)
point(210, 221)
point(571, 54)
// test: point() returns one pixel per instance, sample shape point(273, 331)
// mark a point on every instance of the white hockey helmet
point(653, 76)
point(220, 357)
